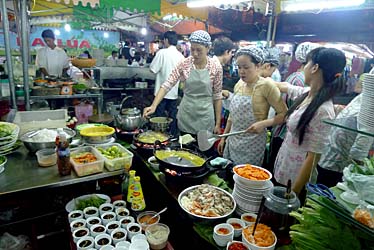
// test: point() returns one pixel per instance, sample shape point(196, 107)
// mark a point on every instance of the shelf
point(349, 123)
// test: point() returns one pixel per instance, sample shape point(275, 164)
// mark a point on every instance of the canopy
point(186, 27)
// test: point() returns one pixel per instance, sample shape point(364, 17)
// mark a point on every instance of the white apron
point(196, 111)
point(247, 147)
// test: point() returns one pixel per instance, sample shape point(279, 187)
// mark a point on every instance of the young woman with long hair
point(306, 135)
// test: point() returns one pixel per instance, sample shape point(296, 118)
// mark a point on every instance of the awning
point(186, 27)
point(92, 3)
point(182, 9)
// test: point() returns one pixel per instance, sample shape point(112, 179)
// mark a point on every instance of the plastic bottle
point(138, 202)
point(63, 154)
point(130, 187)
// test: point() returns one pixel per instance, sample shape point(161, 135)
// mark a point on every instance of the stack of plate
point(8, 137)
point(365, 117)
point(248, 197)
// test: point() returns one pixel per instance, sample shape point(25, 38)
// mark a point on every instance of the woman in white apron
point(200, 108)
point(249, 106)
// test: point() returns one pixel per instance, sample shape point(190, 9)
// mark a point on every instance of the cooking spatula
point(206, 139)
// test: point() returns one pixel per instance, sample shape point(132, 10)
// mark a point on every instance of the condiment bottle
point(130, 187)
point(63, 154)
point(138, 202)
point(276, 212)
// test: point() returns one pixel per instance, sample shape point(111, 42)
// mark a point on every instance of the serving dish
point(251, 175)
point(70, 206)
point(97, 134)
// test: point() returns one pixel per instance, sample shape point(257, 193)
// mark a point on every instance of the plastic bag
point(10, 242)
point(362, 184)
point(364, 213)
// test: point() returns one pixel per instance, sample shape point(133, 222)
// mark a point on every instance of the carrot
point(85, 157)
point(263, 235)
point(251, 173)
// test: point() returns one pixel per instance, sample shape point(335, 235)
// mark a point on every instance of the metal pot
point(129, 119)
point(160, 123)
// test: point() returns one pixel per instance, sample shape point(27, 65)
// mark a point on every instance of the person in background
point(51, 60)
point(114, 55)
point(307, 135)
point(162, 65)
point(201, 105)
point(136, 61)
point(249, 107)
point(270, 63)
point(342, 149)
point(86, 52)
point(223, 49)
point(295, 79)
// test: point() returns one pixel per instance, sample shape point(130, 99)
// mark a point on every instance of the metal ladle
point(154, 216)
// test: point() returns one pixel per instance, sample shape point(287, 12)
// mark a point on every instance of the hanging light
point(318, 5)
point(57, 32)
point(143, 31)
point(205, 3)
point(67, 27)
point(106, 34)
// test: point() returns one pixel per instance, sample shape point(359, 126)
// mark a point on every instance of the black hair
point(172, 37)
point(48, 33)
point(332, 62)
point(87, 53)
point(368, 64)
point(221, 44)
point(137, 56)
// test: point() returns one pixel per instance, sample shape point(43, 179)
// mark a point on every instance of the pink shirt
point(183, 69)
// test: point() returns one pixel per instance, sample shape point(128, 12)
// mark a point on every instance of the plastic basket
point(83, 63)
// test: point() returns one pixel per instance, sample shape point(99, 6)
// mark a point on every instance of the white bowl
point(122, 212)
point(244, 217)
point(119, 203)
point(108, 217)
point(124, 244)
point(222, 238)
point(74, 226)
point(186, 191)
point(91, 221)
point(235, 242)
point(237, 224)
point(139, 245)
point(126, 220)
point(255, 247)
point(80, 233)
point(90, 212)
point(111, 226)
point(155, 166)
point(117, 240)
point(74, 215)
point(107, 247)
point(101, 237)
point(94, 233)
point(89, 246)
point(131, 232)
point(252, 182)
point(106, 207)
point(138, 237)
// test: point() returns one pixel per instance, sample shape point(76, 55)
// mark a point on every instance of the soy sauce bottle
point(63, 154)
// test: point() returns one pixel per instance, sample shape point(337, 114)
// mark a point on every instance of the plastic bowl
point(251, 182)
point(46, 157)
point(143, 218)
point(157, 235)
point(94, 135)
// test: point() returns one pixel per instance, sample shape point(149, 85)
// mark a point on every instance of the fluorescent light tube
point(205, 3)
point(315, 5)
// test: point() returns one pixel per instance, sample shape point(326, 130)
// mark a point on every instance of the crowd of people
point(301, 103)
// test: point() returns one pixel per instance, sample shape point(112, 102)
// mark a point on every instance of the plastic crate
point(120, 162)
point(87, 168)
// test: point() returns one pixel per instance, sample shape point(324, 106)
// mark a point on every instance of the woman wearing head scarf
point(200, 108)
point(249, 107)
point(307, 135)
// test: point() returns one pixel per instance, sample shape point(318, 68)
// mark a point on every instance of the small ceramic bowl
point(113, 225)
point(126, 220)
point(248, 218)
point(85, 243)
point(223, 233)
point(91, 221)
point(238, 225)
point(236, 245)
point(122, 212)
point(74, 215)
point(133, 229)
point(119, 203)
point(102, 240)
point(80, 233)
point(106, 207)
point(90, 212)
point(75, 224)
point(108, 217)
point(118, 235)
point(97, 229)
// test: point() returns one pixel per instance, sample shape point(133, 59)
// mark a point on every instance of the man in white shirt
point(114, 55)
point(162, 65)
point(51, 60)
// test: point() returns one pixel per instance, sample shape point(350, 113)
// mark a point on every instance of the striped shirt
point(183, 69)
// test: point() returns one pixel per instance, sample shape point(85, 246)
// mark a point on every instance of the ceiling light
point(205, 3)
point(67, 27)
point(301, 5)
point(143, 31)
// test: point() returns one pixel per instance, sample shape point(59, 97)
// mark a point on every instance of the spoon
point(157, 214)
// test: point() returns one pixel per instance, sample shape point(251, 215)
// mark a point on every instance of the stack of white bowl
point(248, 193)
point(7, 142)
point(365, 117)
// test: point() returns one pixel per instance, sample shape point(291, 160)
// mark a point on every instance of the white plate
point(70, 206)
point(350, 197)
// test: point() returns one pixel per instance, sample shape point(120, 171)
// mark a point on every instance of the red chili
point(237, 246)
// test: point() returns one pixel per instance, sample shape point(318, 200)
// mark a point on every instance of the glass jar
point(276, 212)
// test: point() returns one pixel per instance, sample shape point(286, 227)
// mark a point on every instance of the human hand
point(217, 129)
point(225, 93)
point(256, 128)
point(148, 111)
point(221, 146)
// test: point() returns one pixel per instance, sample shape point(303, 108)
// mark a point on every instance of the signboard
point(74, 41)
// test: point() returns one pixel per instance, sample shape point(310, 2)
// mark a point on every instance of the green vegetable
point(79, 86)
point(93, 201)
point(2, 159)
point(319, 228)
point(5, 130)
point(366, 169)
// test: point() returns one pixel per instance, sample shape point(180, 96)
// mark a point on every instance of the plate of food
point(87, 200)
point(207, 202)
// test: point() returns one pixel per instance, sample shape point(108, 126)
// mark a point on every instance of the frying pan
point(206, 139)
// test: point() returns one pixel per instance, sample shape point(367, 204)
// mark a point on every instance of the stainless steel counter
point(125, 73)
point(22, 172)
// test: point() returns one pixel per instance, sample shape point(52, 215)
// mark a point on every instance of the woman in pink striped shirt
point(200, 108)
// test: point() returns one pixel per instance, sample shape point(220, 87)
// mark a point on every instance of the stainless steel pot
point(129, 119)
point(160, 123)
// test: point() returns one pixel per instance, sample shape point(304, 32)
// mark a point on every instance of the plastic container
point(119, 162)
point(46, 157)
point(157, 235)
point(83, 169)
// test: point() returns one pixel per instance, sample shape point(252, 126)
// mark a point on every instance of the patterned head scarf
point(271, 55)
point(303, 49)
point(201, 37)
point(256, 53)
